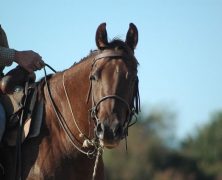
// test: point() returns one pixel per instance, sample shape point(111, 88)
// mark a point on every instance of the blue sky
point(179, 49)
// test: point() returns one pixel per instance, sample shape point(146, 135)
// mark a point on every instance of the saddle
point(19, 96)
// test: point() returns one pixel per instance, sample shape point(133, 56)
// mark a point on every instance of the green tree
point(206, 146)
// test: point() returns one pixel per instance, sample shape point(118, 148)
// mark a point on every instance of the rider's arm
point(7, 56)
point(29, 60)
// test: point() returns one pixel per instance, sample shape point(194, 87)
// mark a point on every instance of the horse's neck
point(75, 82)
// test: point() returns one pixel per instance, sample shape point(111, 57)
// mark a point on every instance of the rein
point(64, 125)
point(98, 147)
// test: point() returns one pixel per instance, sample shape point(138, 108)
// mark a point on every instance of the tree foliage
point(206, 146)
point(150, 155)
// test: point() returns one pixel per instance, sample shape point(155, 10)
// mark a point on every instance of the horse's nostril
point(118, 130)
point(105, 132)
point(100, 130)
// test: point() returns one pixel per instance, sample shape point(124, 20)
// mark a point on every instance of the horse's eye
point(93, 77)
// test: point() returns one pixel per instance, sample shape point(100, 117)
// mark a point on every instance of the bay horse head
point(114, 86)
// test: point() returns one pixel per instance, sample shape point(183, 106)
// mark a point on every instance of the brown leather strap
point(110, 53)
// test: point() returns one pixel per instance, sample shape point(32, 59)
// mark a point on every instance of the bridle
point(105, 55)
point(133, 107)
point(94, 109)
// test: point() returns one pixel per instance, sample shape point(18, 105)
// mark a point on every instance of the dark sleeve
point(6, 56)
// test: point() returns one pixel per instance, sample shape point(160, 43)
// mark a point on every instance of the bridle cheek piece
point(95, 105)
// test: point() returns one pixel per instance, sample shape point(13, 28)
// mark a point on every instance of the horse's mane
point(92, 52)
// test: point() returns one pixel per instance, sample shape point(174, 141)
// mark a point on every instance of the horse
point(86, 108)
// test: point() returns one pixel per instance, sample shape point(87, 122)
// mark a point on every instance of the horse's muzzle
point(109, 134)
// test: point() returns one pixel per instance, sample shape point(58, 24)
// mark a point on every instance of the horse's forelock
point(116, 42)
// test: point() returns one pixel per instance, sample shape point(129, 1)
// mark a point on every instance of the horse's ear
point(101, 36)
point(132, 36)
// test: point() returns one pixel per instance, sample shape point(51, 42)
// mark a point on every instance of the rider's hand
point(29, 60)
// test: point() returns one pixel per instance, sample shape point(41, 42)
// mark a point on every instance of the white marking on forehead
point(118, 70)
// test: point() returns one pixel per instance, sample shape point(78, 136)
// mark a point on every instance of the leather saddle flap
point(32, 115)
